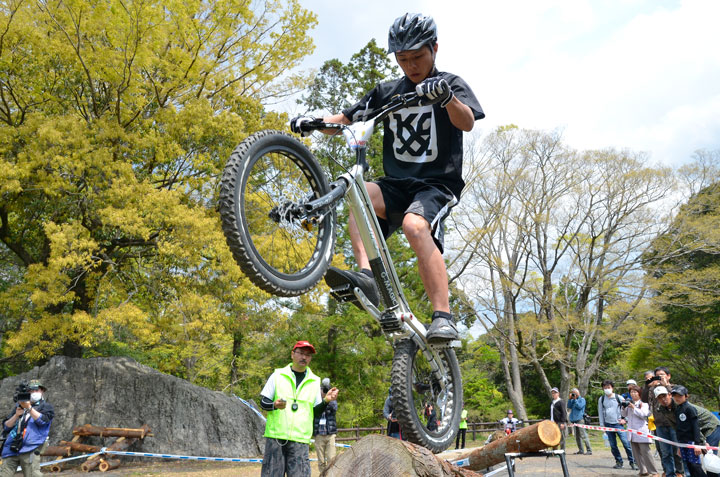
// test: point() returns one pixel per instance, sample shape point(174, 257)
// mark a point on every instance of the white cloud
point(642, 74)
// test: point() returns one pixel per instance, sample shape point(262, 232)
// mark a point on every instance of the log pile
point(125, 438)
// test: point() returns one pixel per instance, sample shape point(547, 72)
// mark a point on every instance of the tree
point(116, 119)
point(683, 266)
point(551, 241)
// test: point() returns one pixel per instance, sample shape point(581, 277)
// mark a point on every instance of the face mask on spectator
point(607, 391)
point(35, 397)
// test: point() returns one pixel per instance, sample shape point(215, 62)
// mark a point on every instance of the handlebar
point(399, 101)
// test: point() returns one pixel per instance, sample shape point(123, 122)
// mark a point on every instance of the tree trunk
point(379, 456)
point(537, 437)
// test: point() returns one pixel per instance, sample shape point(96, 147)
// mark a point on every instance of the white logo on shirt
point(414, 138)
point(682, 417)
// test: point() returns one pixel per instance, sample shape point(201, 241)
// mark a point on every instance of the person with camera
point(636, 412)
point(292, 398)
point(577, 404)
point(609, 411)
point(510, 423)
point(26, 430)
point(325, 429)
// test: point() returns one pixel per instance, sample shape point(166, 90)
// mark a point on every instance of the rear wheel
point(266, 176)
point(415, 383)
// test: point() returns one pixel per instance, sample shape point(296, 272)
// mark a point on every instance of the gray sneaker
point(342, 282)
point(441, 330)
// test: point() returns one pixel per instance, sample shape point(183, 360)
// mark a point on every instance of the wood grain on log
point(539, 436)
point(90, 430)
point(106, 465)
point(380, 456)
point(58, 451)
point(80, 447)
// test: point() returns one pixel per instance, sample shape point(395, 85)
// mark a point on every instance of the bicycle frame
point(396, 320)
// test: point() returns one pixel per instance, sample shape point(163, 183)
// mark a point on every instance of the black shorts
point(432, 201)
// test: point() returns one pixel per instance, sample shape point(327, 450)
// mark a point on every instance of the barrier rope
point(646, 435)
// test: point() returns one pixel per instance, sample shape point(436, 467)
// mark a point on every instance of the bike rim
point(287, 247)
point(428, 387)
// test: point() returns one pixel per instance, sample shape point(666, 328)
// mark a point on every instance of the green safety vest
point(463, 422)
point(285, 423)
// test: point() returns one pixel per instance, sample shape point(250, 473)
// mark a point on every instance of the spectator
point(510, 423)
point(609, 406)
point(628, 383)
point(462, 430)
point(558, 414)
point(577, 404)
point(431, 416)
point(663, 409)
point(645, 394)
point(325, 429)
point(290, 426)
point(688, 432)
point(26, 431)
point(393, 427)
point(636, 412)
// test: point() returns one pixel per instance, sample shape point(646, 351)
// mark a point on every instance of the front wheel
point(415, 384)
point(266, 178)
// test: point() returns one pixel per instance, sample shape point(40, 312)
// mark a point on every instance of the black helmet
point(411, 32)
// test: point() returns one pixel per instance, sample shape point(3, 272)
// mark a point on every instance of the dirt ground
point(598, 464)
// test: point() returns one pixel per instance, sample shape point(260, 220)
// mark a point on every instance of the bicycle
point(278, 216)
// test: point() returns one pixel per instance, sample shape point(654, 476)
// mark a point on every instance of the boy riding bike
point(422, 160)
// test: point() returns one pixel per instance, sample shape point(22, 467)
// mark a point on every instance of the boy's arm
point(461, 116)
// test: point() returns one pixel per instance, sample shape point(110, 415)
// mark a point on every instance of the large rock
point(119, 392)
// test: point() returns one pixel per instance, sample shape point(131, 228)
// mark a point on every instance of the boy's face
point(679, 398)
point(417, 64)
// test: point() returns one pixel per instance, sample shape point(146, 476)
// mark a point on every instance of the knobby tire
point(284, 257)
point(410, 378)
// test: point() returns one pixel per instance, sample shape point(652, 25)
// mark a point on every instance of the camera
point(22, 392)
point(573, 396)
point(625, 404)
point(654, 378)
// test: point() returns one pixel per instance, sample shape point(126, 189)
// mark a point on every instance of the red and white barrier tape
point(643, 434)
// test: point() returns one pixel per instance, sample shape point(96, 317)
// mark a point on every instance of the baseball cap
point(509, 411)
point(36, 384)
point(681, 390)
point(631, 381)
point(660, 390)
point(554, 390)
point(304, 344)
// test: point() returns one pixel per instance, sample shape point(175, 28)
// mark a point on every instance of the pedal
point(390, 322)
point(445, 345)
point(343, 293)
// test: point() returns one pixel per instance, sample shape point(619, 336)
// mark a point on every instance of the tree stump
point(379, 456)
point(537, 437)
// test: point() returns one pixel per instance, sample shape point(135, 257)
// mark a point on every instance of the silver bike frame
point(357, 135)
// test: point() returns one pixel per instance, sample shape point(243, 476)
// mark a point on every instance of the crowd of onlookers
point(658, 407)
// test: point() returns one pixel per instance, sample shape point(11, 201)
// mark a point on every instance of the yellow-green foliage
point(116, 121)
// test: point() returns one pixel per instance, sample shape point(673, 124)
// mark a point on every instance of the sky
point(637, 74)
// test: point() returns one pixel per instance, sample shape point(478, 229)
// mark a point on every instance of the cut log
point(56, 467)
point(90, 430)
point(58, 451)
point(111, 464)
point(80, 447)
point(539, 436)
point(379, 456)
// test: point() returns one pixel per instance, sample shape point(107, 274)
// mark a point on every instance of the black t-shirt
point(420, 141)
point(688, 429)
